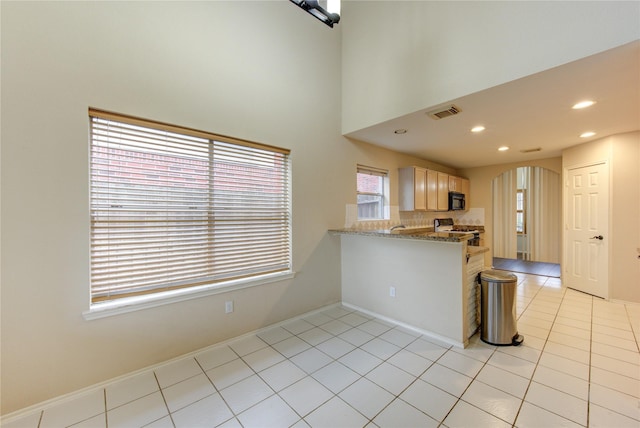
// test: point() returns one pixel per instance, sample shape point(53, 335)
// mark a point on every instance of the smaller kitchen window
point(372, 191)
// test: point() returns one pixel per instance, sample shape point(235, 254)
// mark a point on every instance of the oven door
point(475, 241)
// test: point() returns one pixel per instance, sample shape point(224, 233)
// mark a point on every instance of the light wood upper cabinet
point(443, 191)
point(455, 184)
point(466, 189)
point(432, 190)
point(413, 189)
point(461, 185)
point(424, 189)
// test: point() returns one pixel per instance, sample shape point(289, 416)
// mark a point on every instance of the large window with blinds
point(175, 208)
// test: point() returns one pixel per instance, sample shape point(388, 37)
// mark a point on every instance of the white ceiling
point(527, 113)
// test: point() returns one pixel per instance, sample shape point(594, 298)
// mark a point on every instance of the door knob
point(598, 237)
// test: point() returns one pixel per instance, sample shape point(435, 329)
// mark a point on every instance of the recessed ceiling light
point(583, 104)
point(400, 131)
point(478, 128)
point(587, 134)
point(503, 148)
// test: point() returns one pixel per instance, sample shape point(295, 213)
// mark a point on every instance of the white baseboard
point(39, 407)
point(435, 336)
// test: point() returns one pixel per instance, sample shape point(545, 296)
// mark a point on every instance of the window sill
point(131, 304)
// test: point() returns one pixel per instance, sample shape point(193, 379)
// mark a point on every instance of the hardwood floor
point(522, 266)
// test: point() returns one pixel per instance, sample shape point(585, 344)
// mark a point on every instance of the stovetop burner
point(446, 225)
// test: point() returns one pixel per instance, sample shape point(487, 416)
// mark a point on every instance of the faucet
point(399, 226)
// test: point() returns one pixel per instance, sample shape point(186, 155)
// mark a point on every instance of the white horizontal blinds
point(174, 209)
point(250, 210)
point(369, 170)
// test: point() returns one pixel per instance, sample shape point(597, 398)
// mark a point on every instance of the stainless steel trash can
point(498, 308)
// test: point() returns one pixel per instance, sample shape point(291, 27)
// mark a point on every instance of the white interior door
point(587, 224)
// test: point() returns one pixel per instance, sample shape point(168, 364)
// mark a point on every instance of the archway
point(527, 215)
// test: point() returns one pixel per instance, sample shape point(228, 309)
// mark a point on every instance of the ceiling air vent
point(537, 149)
point(443, 112)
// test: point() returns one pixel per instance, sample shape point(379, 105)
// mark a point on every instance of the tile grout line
point(255, 373)
point(567, 299)
point(458, 399)
point(214, 387)
point(589, 364)
point(564, 293)
point(370, 420)
point(276, 393)
point(590, 357)
point(633, 330)
point(106, 419)
point(397, 397)
point(540, 356)
point(334, 360)
point(164, 400)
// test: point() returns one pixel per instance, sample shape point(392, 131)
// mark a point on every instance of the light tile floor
point(579, 366)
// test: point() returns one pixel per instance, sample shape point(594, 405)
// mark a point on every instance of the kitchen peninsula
point(417, 277)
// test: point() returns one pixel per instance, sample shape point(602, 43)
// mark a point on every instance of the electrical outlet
point(228, 307)
point(392, 291)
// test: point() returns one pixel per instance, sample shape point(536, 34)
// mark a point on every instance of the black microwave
point(456, 201)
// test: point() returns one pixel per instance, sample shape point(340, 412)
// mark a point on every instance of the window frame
point(383, 195)
point(522, 211)
point(199, 287)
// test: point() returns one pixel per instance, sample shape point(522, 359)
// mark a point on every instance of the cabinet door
point(412, 188)
point(420, 189)
point(455, 184)
point(405, 188)
point(432, 190)
point(443, 191)
point(466, 189)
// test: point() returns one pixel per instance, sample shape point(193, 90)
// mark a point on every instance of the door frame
point(565, 210)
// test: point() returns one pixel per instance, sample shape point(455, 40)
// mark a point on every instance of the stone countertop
point(462, 227)
point(424, 234)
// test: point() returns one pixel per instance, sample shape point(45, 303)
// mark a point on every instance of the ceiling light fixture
point(583, 104)
point(587, 134)
point(503, 148)
point(400, 131)
point(327, 11)
point(478, 128)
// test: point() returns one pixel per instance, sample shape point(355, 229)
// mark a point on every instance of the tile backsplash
point(472, 217)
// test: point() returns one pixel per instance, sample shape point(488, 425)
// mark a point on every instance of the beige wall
point(261, 71)
point(622, 152)
point(481, 194)
point(400, 57)
point(235, 68)
point(370, 155)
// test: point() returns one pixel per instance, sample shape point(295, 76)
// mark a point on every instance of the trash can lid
point(498, 276)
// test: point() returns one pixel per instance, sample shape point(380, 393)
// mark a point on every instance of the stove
point(446, 225)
